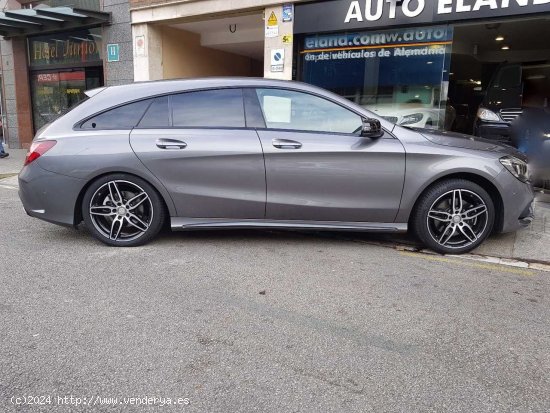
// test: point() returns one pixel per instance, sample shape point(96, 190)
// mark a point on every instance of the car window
point(509, 77)
point(157, 116)
point(222, 108)
point(122, 117)
point(286, 109)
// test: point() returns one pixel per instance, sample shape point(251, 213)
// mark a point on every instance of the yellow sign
point(272, 21)
point(287, 38)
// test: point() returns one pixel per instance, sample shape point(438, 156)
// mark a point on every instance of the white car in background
point(415, 115)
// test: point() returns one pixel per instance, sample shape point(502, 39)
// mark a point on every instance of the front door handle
point(170, 144)
point(286, 144)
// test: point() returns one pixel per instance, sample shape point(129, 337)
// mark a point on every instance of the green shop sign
point(66, 48)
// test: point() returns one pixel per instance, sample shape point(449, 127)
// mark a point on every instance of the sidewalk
point(528, 244)
point(13, 163)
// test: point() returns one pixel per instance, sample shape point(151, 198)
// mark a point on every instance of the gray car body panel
point(220, 174)
point(331, 176)
point(179, 224)
point(96, 153)
point(49, 196)
point(459, 140)
point(355, 182)
point(428, 162)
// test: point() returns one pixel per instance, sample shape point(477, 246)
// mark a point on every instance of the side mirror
point(372, 129)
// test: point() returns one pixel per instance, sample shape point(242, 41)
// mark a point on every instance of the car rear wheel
point(454, 216)
point(123, 210)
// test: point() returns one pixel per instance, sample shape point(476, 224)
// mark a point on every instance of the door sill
point(183, 224)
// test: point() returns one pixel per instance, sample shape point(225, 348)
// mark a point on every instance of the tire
point(132, 222)
point(442, 227)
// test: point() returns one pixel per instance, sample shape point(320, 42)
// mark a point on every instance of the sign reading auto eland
point(334, 15)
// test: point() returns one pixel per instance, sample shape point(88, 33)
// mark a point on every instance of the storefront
point(466, 65)
point(62, 67)
point(54, 51)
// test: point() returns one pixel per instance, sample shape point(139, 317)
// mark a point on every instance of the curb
point(485, 259)
point(509, 262)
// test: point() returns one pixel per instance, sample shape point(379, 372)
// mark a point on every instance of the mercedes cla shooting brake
point(255, 153)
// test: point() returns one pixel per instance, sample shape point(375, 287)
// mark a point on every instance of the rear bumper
point(49, 196)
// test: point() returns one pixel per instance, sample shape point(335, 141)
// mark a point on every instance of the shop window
point(122, 117)
point(157, 116)
point(222, 108)
point(400, 74)
point(63, 66)
point(54, 93)
point(285, 109)
point(500, 87)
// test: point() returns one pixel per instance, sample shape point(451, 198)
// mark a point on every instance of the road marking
point(8, 186)
point(470, 263)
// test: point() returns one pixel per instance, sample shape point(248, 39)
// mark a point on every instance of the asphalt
point(246, 321)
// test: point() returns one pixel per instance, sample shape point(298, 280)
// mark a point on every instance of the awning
point(25, 22)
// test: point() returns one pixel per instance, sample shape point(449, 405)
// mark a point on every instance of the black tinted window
point(157, 114)
point(509, 77)
point(122, 117)
point(210, 108)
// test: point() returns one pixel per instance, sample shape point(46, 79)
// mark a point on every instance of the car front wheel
point(454, 216)
point(123, 210)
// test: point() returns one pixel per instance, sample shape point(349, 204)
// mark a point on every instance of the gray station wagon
point(255, 153)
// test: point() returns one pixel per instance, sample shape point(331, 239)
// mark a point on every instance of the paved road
point(263, 321)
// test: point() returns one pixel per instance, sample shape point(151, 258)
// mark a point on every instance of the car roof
point(157, 87)
point(104, 98)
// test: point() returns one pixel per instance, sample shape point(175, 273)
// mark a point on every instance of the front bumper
point(517, 200)
point(527, 216)
point(49, 196)
point(497, 131)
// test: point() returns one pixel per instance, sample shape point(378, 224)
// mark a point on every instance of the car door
point(319, 168)
point(198, 145)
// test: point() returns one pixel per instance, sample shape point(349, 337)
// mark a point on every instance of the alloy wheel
point(457, 219)
point(121, 211)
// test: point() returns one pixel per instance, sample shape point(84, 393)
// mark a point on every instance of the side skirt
point(183, 224)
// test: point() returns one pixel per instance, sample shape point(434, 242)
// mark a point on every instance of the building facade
point(470, 66)
point(51, 52)
point(210, 38)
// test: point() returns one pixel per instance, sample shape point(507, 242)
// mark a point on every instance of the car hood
point(459, 140)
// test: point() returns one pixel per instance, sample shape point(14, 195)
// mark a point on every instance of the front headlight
point(516, 167)
point(486, 114)
point(411, 119)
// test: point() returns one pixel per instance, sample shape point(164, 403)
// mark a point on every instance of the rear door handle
point(286, 144)
point(170, 144)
